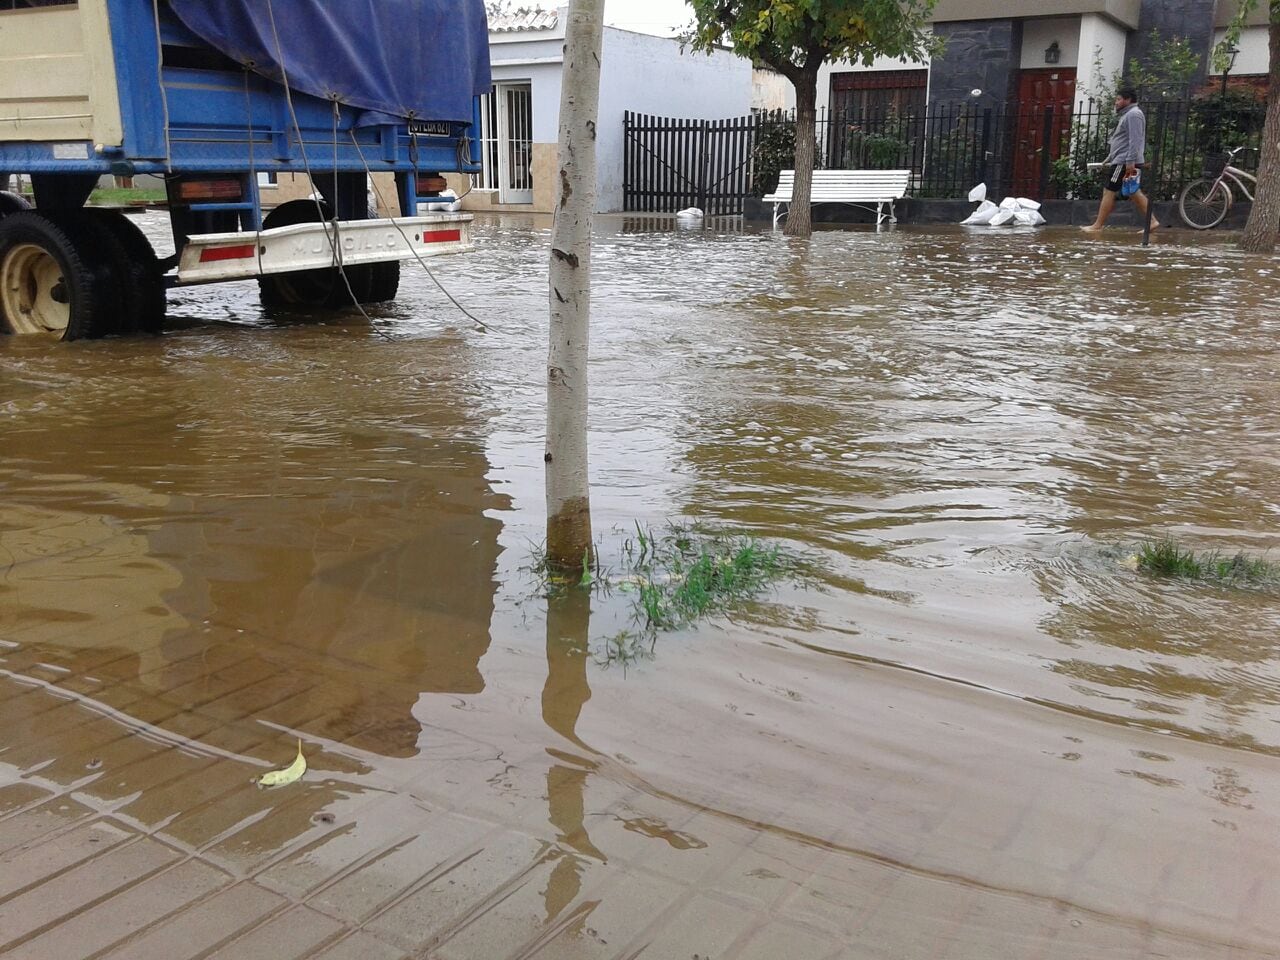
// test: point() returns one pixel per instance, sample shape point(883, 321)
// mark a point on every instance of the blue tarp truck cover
point(416, 59)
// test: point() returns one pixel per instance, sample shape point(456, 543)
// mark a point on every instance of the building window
point(271, 179)
point(863, 94)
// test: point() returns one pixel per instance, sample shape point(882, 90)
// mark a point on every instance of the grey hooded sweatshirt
point(1129, 142)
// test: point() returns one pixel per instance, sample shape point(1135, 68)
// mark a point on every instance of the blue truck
point(218, 97)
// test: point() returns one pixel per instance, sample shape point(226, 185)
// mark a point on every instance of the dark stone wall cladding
point(979, 54)
point(1190, 19)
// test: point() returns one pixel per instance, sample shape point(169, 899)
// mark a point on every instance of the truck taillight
point(211, 190)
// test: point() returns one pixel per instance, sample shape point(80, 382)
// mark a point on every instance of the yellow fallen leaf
point(294, 771)
point(1130, 562)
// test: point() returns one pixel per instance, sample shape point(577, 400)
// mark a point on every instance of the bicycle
point(1204, 203)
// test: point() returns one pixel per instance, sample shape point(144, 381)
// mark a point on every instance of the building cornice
point(1123, 12)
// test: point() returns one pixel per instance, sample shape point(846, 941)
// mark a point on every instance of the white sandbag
point(448, 202)
point(1029, 218)
point(1009, 203)
point(1002, 217)
point(986, 210)
point(689, 213)
point(1026, 204)
point(978, 194)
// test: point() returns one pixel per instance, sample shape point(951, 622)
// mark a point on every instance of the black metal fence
point(1036, 150)
point(671, 164)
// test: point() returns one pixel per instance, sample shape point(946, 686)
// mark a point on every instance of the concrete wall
point(980, 55)
point(1190, 19)
point(648, 74)
point(639, 72)
point(1126, 12)
point(1255, 54)
point(535, 57)
point(1037, 35)
point(1227, 10)
point(1102, 49)
point(771, 91)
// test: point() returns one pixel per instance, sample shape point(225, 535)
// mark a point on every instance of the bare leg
point(1140, 201)
point(1104, 211)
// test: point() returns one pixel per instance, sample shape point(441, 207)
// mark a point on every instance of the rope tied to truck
point(333, 237)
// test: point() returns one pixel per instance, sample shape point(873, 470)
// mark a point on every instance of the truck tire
point(47, 286)
point(122, 280)
point(321, 288)
point(380, 282)
point(384, 281)
point(145, 276)
point(326, 288)
point(12, 203)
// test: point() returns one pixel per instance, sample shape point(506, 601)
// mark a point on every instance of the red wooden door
point(1045, 101)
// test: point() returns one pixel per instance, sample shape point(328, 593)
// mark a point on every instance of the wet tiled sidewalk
point(121, 837)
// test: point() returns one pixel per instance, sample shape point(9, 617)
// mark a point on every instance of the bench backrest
point(847, 185)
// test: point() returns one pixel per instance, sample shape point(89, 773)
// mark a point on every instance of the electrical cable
point(333, 240)
point(253, 172)
point(306, 164)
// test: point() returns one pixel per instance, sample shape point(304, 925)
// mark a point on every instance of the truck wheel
point(148, 306)
point(12, 203)
point(118, 277)
point(322, 287)
point(384, 281)
point(46, 284)
point(381, 281)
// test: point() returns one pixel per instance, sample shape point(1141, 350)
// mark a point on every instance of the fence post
point(1155, 174)
point(1046, 154)
point(626, 160)
point(986, 150)
point(703, 161)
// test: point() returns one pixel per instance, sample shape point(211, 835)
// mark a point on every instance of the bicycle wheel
point(1204, 203)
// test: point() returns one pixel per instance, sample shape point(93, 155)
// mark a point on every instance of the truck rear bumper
point(210, 258)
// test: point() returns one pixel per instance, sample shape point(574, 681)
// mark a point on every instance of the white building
point(639, 72)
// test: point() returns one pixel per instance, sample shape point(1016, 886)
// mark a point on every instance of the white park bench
point(858, 188)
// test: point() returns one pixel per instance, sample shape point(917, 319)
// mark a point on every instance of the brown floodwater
point(977, 735)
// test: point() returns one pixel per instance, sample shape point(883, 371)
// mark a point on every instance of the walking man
point(1127, 155)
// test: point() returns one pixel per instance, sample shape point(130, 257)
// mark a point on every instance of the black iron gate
point(672, 164)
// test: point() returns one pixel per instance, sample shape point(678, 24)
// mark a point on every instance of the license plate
point(430, 128)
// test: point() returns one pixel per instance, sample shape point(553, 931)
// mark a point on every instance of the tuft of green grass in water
point(1166, 558)
point(624, 648)
point(673, 578)
point(688, 573)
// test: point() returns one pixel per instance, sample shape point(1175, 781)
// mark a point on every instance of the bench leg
point(777, 213)
point(879, 213)
point(893, 213)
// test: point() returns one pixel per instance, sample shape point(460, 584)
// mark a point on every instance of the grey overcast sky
point(660, 17)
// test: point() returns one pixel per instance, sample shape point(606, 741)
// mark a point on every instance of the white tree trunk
point(568, 492)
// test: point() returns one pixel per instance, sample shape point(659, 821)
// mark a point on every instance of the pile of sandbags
point(1018, 211)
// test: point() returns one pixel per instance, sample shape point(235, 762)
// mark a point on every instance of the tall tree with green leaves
point(1263, 228)
point(796, 37)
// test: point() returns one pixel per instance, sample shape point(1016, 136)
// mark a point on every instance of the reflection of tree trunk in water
point(563, 697)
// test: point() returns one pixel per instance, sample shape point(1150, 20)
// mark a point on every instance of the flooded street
point(978, 736)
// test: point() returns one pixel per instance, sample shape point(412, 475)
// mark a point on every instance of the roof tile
point(523, 18)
